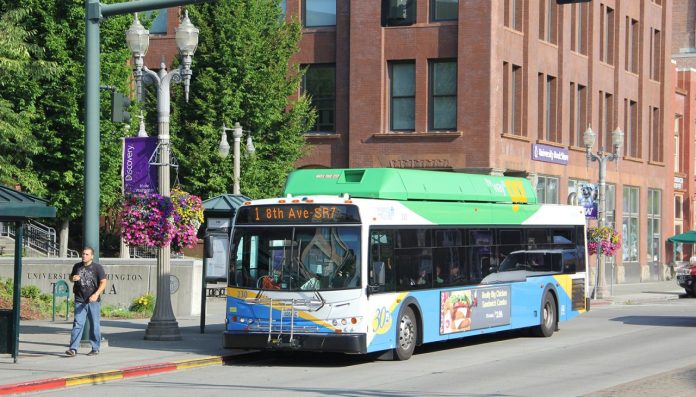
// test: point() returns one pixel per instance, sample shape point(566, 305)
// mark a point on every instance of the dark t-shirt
point(89, 280)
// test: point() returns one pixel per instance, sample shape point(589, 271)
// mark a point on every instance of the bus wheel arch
point(548, 314)
point(409, 327)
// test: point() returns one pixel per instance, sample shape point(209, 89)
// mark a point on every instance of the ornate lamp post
point(224, 150)
point(617, 139)
point(163, 324)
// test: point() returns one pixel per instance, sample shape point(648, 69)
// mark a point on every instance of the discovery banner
point(138, 175)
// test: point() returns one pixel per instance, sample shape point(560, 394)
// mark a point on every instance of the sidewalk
point(42, 364)
point(628, 294)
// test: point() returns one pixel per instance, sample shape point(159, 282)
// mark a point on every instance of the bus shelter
point(218, 213)
point(17, 207)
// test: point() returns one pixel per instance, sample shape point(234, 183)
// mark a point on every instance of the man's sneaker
point(93, 353)
point(71, 353)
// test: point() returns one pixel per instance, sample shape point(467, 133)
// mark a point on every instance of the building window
point(443, 95)
point(578, 113)
point(512, 99)
point(656, 144)
point(579, 22)
point(574, 186)
point(655, 54)
point(606, 119)
point(398, 12)
point(632, 36)
point(610, 205)
point(654, 215)
point(547, 189)
point(513, 14)
point(444, 10)
point(403, 95)
point(283, 7)
point(606, 34)
point(678, 223)
point(548, 19)
point(678, 119)
point(317, 13)
point(159, 24)
point(631, 130)
point(630, 231)
point(319, 82)
point(548, 108)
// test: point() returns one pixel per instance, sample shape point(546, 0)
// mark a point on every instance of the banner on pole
point(587, 197)
point(138, 175)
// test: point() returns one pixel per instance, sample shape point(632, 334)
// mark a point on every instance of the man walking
point(90, 281)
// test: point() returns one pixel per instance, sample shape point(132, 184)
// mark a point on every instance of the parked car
point(686, 277)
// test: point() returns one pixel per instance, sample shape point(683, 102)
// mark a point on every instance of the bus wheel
point(549, 317)
point(407, 335)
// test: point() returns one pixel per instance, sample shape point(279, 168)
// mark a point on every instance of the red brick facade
point(618, 56)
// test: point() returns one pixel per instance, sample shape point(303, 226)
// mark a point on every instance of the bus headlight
point(345, 324)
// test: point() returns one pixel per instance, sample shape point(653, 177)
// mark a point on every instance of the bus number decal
point(382, 321)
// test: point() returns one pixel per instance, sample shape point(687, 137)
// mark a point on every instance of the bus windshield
point(295, 258)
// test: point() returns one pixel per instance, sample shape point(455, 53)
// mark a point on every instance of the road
point(628, 350)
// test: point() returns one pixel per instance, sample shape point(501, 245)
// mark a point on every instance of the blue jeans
point(86, 312)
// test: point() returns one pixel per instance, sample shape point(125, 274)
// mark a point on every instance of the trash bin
point(7, 331)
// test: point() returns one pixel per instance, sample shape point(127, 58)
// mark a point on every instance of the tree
point(21, 70)
point(241, 72)
point(58, 105)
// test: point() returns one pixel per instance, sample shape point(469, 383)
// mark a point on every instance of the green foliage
point(54, 131)
point(21, 72)
point(143, 304)
point(34, 292)
point(114, 311)
point(241, 72)
point(6, 288)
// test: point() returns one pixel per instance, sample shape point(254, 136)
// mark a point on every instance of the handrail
point(37, 236)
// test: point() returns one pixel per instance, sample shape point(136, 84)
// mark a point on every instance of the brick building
point(502, 87)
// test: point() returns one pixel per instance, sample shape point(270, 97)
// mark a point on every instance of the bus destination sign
point(298, 213)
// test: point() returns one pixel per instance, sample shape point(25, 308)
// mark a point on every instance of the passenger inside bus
point(271, 282)
point(439, 277)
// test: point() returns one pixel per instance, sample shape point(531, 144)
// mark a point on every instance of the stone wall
point(127, 279)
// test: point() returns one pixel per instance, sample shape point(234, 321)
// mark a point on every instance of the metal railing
point(38, 237)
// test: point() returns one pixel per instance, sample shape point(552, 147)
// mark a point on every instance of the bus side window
point(570, 260)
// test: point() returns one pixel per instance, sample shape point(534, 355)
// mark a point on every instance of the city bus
point(381, 260)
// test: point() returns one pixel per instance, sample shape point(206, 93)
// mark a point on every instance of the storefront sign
point(549, 154)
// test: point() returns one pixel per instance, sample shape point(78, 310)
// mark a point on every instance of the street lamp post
point(224, 150)
point(163, 324)
point(617, 138)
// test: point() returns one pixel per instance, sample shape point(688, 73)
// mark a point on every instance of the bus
point(380, 260)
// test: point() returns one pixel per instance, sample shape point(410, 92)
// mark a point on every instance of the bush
point(143, 304)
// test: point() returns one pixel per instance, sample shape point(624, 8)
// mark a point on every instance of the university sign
point(549, 154)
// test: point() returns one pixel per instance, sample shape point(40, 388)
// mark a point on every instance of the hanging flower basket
point(155, 221)
point(603, 239)
point(188, 216)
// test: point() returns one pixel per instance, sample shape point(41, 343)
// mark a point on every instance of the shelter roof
point(16, 205)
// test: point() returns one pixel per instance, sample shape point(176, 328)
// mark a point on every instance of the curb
point(109, 375)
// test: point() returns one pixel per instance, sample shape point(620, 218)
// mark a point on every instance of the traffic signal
point(119, 104)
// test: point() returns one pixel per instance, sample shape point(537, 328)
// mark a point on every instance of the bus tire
point(406, 335)
point(549, 317)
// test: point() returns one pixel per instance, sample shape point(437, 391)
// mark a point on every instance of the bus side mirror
point(208, 246)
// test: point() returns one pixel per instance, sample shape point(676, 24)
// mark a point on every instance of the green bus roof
point(407, 184)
